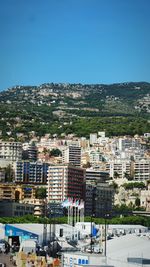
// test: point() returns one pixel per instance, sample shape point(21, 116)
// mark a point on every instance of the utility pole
point(45, 224)
point(91, 233)
point(93, 212)
point(105, 252)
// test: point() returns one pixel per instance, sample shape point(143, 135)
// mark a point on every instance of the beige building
point(145, 198)
point(141, 169)
point(16, 192)
point(65, 181)
point(118, 168)
point(22, 194)
point(11, 151)
point(72, 155)
point(39, 206)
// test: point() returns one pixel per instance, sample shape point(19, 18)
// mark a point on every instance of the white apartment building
point(93, 138)
point(96, 175)
point(120, 167)
point(95, 157)
point(50, 143)
point(101, 134)
point(127, 143)
point(65, 181)
point(141, 169)
point(72, 142)
point(132, 153)
point(10, 151)
point(72, 155)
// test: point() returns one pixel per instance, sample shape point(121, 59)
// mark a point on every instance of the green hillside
point(118, 109)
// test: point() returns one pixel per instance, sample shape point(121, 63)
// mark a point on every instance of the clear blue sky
point(86, 41)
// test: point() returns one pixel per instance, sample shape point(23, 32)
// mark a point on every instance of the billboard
point(11, 230)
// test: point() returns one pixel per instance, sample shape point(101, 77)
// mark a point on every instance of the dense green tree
point(122, 209)
point(133, 185)
point(139, 220)
point(116, 174)
point(137, 202)
point(9, 174)
point(114, 185)
point(55, 152)
point(40, 193)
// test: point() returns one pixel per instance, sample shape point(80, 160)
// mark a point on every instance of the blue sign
point(94, 231)
point(83, 261)
point(14, 231)
point(71, 262)
point(27, 189)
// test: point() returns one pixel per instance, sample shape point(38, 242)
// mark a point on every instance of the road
point(5, 258)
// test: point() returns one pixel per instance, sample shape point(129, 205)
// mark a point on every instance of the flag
point(65, 203)
point(70, 200)
point(77, 203)
point(81, 205)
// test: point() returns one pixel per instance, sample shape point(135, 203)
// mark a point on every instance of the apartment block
point(11, 191)
point(96, 175)
point(118, 168)
point(127, 143)
point(11, 151)
point(95, 157)
point(99, 199)
point(14, 209)
point(72, 155)
point(93, 138)
point(65, 181)
point(141, 169)
point(145, 198)
point(31, 172)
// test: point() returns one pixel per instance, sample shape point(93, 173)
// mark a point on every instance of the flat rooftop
point(130, 245)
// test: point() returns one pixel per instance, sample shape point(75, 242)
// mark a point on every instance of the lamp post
point(91, 234)
point(106, 215)
point(105, 237)
point(93, 212)
point(45, 224)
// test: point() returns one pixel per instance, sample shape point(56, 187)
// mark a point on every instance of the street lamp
point(105, 221)
point(106, 215)
point(91, 243)
point(93, 212)
point(91, 234)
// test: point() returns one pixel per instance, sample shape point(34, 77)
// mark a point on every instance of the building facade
point(96, 175)
point(65, 181)
point(145, 198)
point(128, 143)
point(30, 152)
point(93, 138)
point(11, 191)
point(72, 155)
point(119, 168)
point(11, 151)
point(31, 172)
point(141, 169)
point(15, 209)
point(99, 199)
point(40, 207)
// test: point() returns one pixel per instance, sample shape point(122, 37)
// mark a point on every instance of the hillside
point(119, 109)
